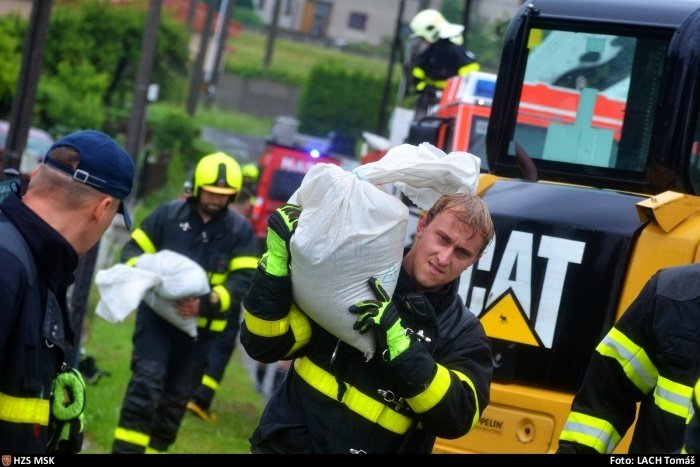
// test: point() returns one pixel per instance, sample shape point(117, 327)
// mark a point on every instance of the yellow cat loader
point(591, 191)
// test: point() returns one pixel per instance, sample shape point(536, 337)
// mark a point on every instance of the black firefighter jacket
point(651, 356)
point(224, 247)
point(333, 401)
point(36, 337)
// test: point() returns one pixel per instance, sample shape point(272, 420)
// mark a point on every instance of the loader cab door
point(596, 104)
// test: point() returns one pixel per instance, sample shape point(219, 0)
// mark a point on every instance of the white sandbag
point(350, 229)
point(121, 289)
point(159, 279)
point(180, 276)
point(166, 309)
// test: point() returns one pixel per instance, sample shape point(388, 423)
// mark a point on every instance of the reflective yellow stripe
point(590, 431)
point(696, 391)
point(673, 397)
point(631, 357)
point(466, 69)
point(210, 382)
point(419, 73)
point(243, 262)
point(296, 320)
point(354, 399)
point(143, 241)
point(131, 436)
point(466, 379)
point(438, 83)
point(132, 261)
point(224, 297)
point(264, 328)
point(202, 322)
point(236, 264)
point(217, 278)
point(301, 328)
point(433, 394)
point(150, 450)
point(217, 325)
point(24, 410)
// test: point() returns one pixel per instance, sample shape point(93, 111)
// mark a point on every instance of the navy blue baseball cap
point(104, 165)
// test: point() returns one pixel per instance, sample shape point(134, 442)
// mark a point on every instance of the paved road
point(243, 147)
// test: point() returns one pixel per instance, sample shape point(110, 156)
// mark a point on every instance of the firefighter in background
point(250, 174)
point(167, 364)
point(649, 358)
point(245, 202)
point(436, 56)
point(225, 342)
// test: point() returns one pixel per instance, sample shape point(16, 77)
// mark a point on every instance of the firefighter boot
point(194, 407)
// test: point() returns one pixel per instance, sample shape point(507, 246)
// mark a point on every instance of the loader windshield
point(588, 99)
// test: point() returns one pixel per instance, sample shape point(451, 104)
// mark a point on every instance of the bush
point(247, 17)
point(173, 130)
point(12, 30)
point(62, 111)
point(335, 99)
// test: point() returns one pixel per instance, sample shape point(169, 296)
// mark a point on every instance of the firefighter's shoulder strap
point(10, 238)
point(12, 241)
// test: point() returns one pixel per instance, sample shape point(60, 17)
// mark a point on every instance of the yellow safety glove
point(67, 407)
point(382, 314)
point(280, 227)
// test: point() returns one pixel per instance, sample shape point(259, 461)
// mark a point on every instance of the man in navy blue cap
point(71, 200)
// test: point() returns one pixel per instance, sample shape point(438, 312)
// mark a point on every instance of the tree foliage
point(12, 30)
point(90, 62)
point(335, 99)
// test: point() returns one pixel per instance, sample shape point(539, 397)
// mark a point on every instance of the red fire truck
point(287, 157)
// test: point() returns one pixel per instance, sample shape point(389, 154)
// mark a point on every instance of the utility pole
point(465, 21)
point(395, 45)
point(190, 14)
point(143, 78)
point(220, 37)
point(196, 78)
point(27, 83)
point(272, 32)
point(86, 266)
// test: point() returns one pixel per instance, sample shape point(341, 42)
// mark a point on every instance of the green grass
point(291, 61)
point(237, 405)
point(236, 122)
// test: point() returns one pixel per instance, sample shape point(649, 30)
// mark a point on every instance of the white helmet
point(427, 24)
point(431, 26)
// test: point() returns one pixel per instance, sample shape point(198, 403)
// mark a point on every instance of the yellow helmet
point(251, 171)
point(426, 24)
point(217, 173)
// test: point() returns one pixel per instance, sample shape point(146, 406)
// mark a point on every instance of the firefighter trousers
point(217, 361)
point(166, 366)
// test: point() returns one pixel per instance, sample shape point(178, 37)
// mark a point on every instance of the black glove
point(382, 314)
point(67, 407)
